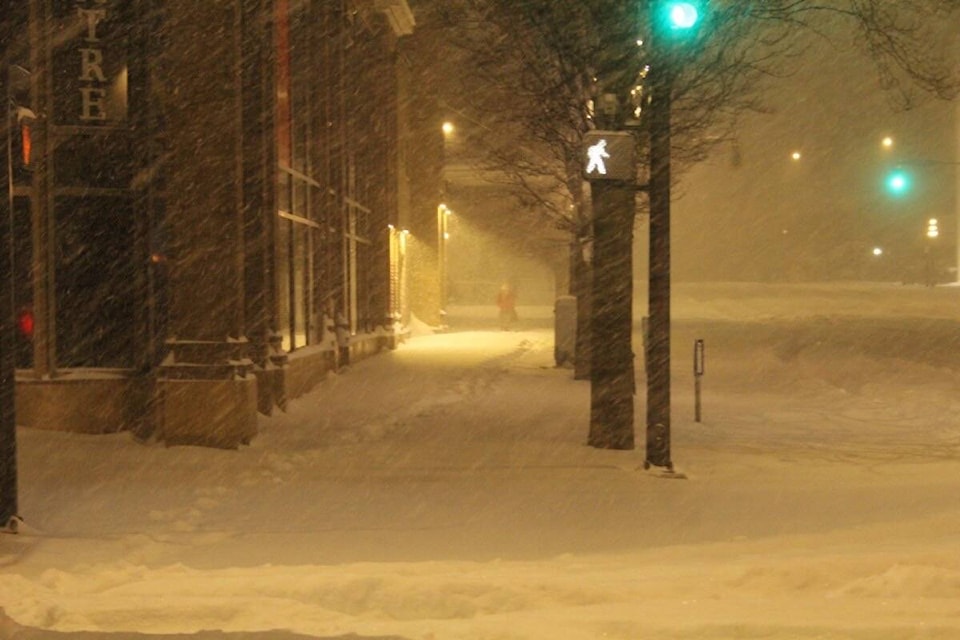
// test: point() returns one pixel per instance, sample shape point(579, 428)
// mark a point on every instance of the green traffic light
point(678, 21)
point(682, 15)
point(898, 182)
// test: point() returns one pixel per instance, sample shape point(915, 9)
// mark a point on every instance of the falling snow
point(444, 490)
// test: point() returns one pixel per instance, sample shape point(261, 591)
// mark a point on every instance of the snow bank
point(444, 491)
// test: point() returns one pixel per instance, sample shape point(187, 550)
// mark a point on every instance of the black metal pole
point(658, 343)
point(8, 417)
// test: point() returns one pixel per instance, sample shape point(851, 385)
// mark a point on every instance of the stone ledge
point(209, 413)
point(76, 404)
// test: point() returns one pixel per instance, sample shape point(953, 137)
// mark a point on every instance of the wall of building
point(263, 196)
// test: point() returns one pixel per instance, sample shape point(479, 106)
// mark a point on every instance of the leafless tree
point(531, 70)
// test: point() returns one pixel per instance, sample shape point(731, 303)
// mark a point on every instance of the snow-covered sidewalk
point(444, 491)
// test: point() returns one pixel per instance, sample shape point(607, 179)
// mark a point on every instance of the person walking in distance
point(507, 303)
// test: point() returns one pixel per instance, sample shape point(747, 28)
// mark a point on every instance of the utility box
point(565, 330)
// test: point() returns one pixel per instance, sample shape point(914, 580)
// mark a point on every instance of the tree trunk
point(612, 384)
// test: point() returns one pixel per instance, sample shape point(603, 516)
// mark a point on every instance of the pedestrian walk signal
point(609, 155)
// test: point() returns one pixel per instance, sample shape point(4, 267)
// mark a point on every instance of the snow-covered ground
point(444, 491)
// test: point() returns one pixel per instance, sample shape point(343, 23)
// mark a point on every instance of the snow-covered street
point(443, 491)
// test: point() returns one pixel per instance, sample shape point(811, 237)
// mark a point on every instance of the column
point(207, 390)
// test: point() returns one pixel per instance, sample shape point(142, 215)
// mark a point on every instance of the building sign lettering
point(89, 52)
point(93, 91)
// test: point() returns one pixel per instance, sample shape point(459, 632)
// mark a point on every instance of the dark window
point(95, 282)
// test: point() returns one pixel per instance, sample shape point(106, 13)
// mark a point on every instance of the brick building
point(214, 191)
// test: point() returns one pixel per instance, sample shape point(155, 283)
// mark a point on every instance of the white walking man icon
point(596, 154)
point(609, 156)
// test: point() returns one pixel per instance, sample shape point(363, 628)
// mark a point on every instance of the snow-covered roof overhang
point(398, 14)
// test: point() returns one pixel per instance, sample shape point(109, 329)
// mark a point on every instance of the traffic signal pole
point(675, 24)
point(658, 337)
point(8, 419)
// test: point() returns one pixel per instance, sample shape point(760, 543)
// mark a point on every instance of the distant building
point(211, 185)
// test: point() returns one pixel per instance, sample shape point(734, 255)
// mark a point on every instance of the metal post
point(697, 376)
point(8, 417)
point(658, 346)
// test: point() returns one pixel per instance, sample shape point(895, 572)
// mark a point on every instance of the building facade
point(213, 203)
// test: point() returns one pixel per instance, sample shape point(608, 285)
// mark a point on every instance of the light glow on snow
point(444, 491)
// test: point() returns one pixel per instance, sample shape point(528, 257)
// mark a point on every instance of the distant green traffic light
point(898, 182)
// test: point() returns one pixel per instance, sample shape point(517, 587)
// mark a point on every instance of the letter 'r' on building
point(609, 155)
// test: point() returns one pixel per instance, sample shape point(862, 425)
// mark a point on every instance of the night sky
point(754, 212)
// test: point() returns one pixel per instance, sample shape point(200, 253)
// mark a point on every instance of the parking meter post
point(698, 369)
